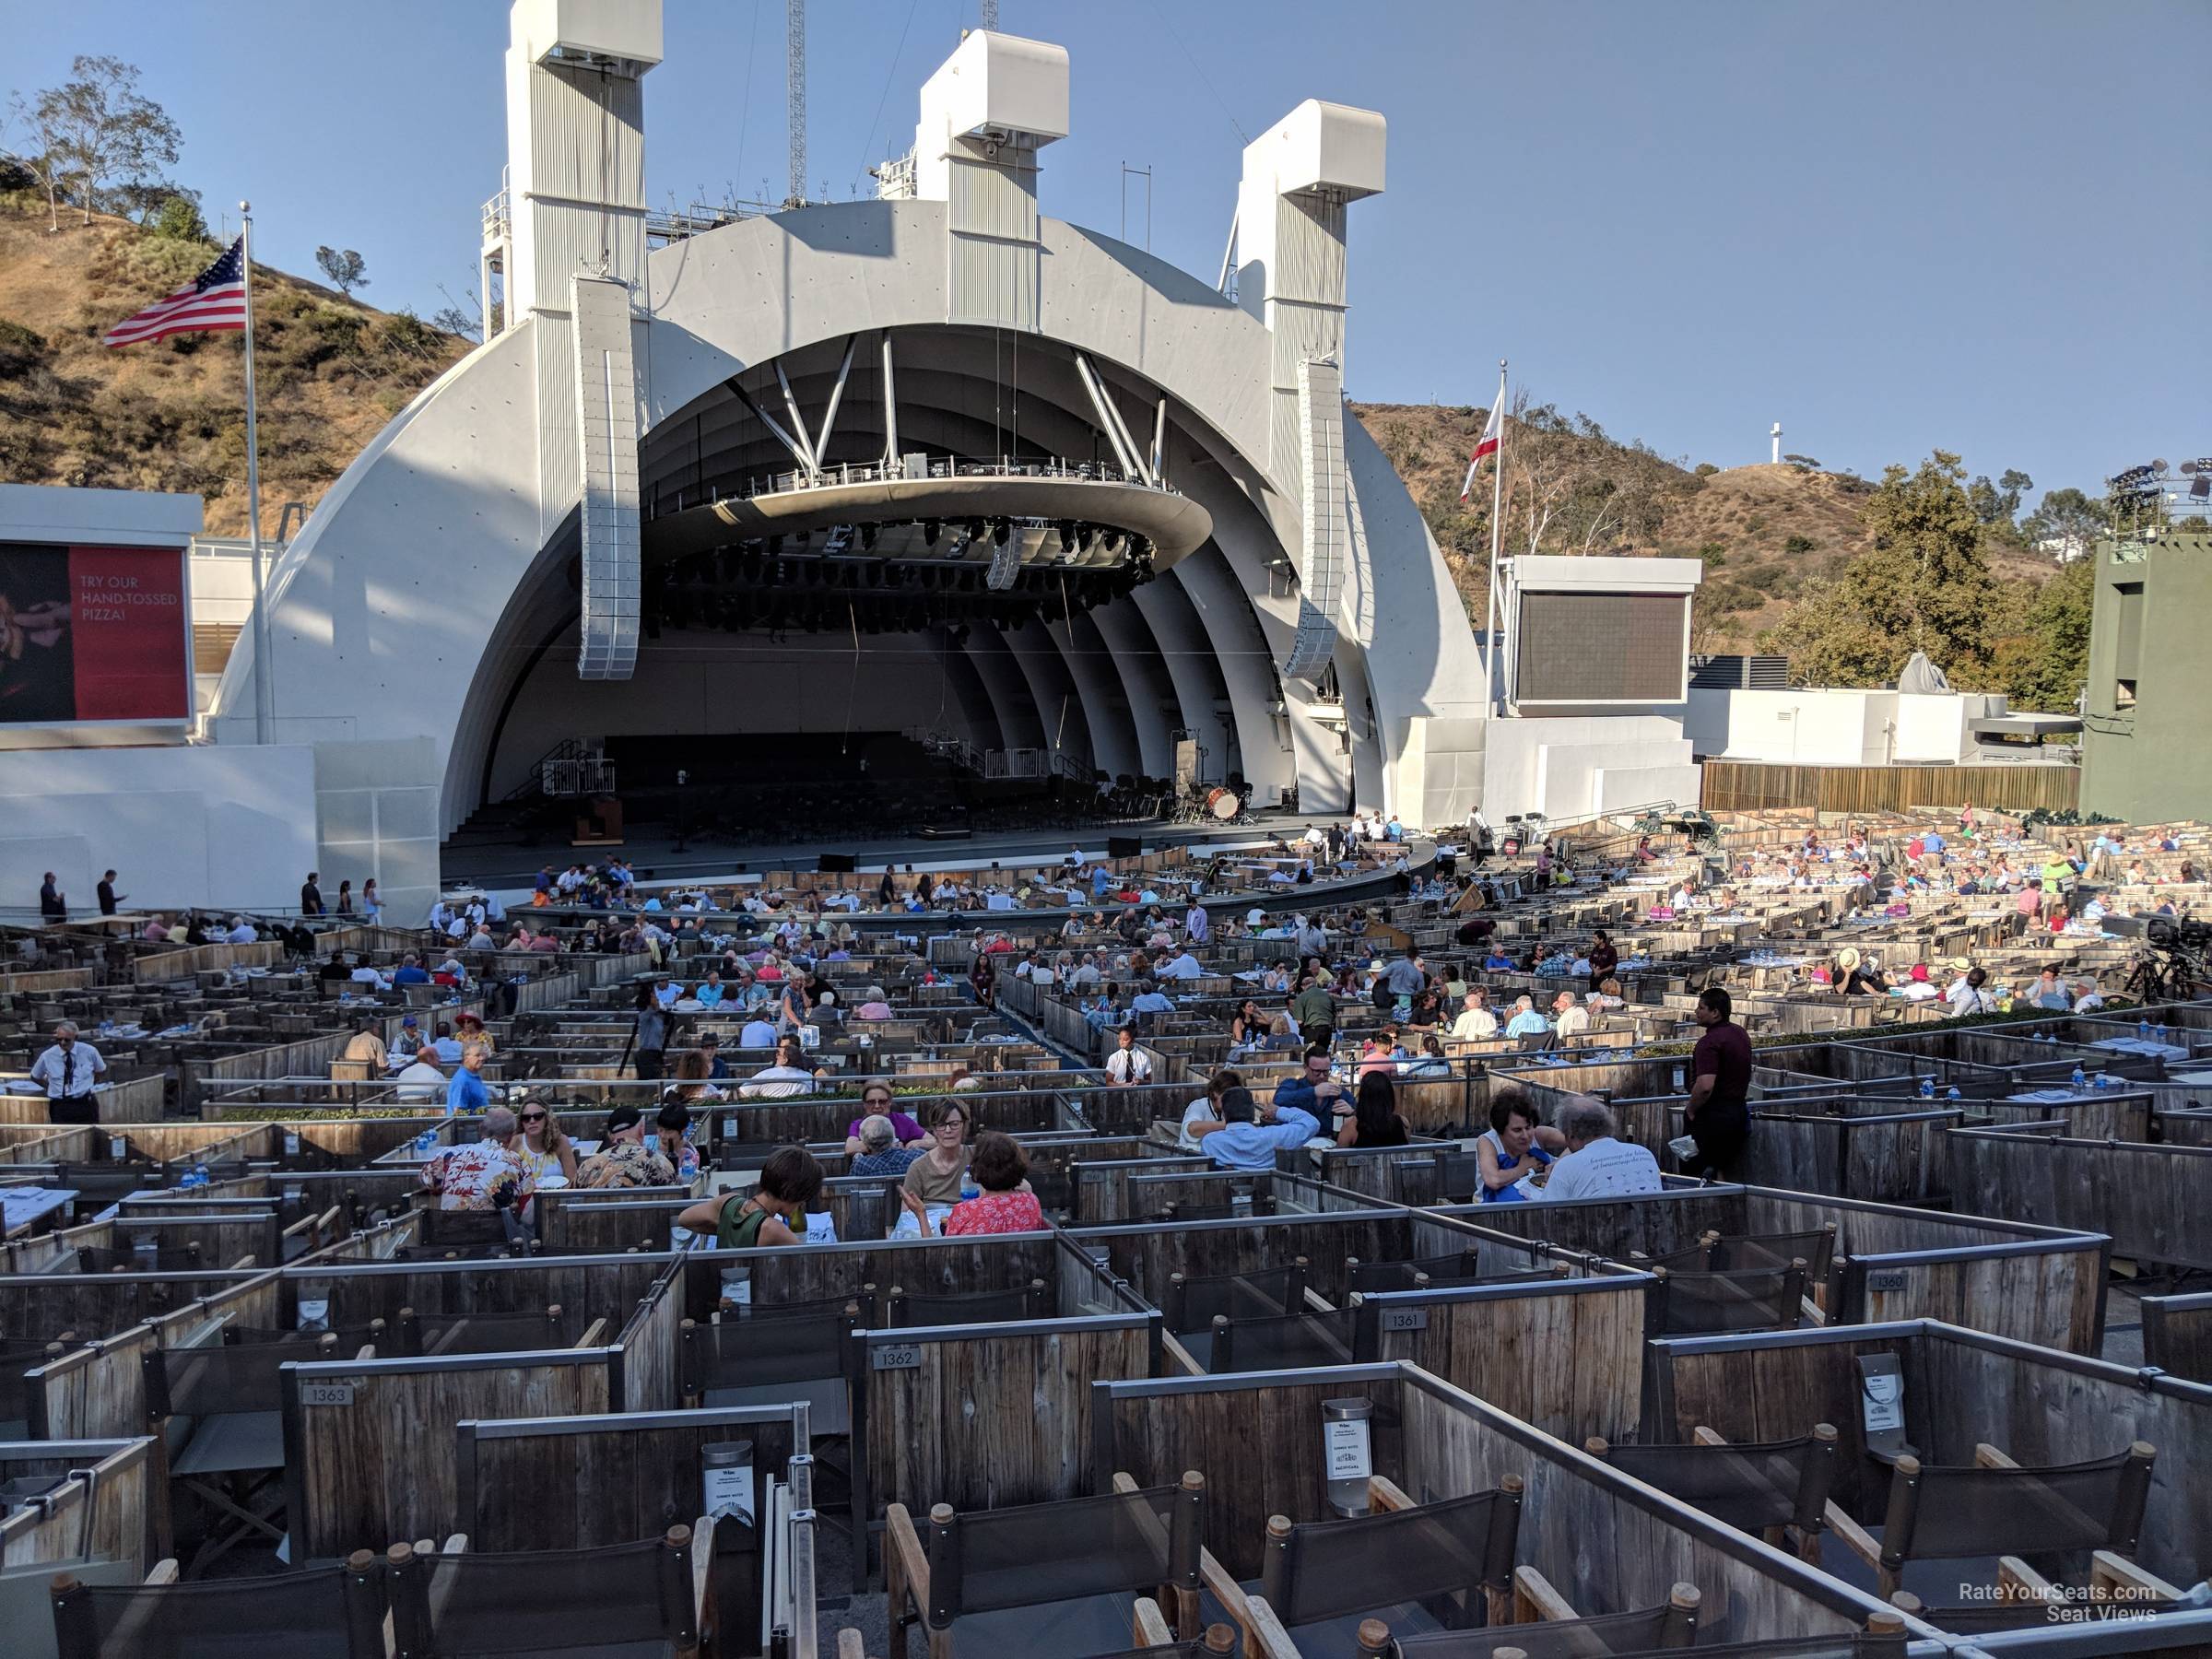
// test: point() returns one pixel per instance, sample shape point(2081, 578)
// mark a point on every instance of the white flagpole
point(262, 709)
point(1489, 637)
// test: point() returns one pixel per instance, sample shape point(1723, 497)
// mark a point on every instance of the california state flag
point(1488, 442)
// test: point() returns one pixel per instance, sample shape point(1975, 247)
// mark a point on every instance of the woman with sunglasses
point(542, 1147)
point(876, 1101)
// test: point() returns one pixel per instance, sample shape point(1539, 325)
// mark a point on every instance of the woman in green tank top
point(771, 1214)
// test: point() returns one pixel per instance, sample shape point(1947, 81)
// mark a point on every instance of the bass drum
point(1223, 803)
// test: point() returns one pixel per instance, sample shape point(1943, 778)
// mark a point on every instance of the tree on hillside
point(1802, 462)
point(2042, 661)
point(1925, 586)
point(98, 138)
point(346, 271)
point(2066, 516)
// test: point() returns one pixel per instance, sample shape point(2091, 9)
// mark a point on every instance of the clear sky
point(1891, 224)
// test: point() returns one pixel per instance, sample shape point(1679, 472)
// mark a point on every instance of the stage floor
point(509, 868)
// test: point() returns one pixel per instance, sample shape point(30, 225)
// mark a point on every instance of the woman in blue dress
point(1514, 1146)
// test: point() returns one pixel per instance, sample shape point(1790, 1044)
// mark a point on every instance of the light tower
point(1776, 435)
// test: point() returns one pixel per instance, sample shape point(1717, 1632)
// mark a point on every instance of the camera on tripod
point(2178, 933)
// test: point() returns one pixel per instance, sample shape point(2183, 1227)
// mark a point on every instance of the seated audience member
point(1513, 1149)
point(1594, 1164)
point(623, 1159)
point(1314, 1092)
point(879, 1151)
point(962, 1079)
point(789, 1075)
point(484, 1175)
point(876, 1101)
point(1526, 1021)
point(757, 1034)
point(672, 1132)
point(422, 1079)
point(468, 1092)
point(1374, 1120)
point(774, 1212)
point(1249, 1135)
point(1207, 1108)
point(1129, 1063)
point(410, 971)
point(935, 1177)
point(1570, 1020)
point(541, 1144)
point(1475, 1023)
point(1005, 1205)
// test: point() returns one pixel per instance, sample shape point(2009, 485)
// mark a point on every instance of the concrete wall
point(2152, 760)
point(181, 826)
point(1830, 726)
point(1566, 766)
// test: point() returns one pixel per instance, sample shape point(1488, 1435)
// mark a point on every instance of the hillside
point(170, 416)
point(1763, 530)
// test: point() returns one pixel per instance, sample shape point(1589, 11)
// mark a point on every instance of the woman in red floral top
point(1006, 1205)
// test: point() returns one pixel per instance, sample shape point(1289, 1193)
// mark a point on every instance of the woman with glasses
point(938, 1176)
point(542, 1147)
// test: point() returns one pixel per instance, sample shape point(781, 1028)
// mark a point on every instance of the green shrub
point(179, 219)
point(21, 350)
point(1713, 556)
point(1706, 469)
point(1799, 544)
point(1755, 522)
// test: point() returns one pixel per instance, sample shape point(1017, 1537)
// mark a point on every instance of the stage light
point(975, 530)
point(929, 533)
point(1113, 541)
point(1068, 535)
point(1083, 538)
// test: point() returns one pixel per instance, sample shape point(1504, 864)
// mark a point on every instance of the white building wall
point(1566, 767)
point(1838, 726)
point(181, 826)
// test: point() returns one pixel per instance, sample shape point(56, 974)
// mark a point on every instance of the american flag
point(212, 302)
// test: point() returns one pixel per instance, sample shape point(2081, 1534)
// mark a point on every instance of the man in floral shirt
point(623, 1159)
point(482, 1175)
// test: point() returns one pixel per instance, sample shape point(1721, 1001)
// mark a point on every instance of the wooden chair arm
point(1179, 1355)
point(1383, 1493)
point(593, 1333)
point(849, 1645)
point(1707, 1437)
point(311, 1224)
point(164, 1573)
point(1536, 1601)
point(2110, 1572)
point(457, 1543)
point(1151, 1625)
point(902, 1549)
point(1987, 1456)
point(1857, 1538)
point(1265, 1637)
point(2021, 1582)
point(703, 1574)
point(1815, 1314)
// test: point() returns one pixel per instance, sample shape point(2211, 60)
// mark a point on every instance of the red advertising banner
point(93, 634)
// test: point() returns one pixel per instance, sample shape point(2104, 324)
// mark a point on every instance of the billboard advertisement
point(92, 634)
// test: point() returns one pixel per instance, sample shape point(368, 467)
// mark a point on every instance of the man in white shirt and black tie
point(1129, 1063)
point(69, 1070)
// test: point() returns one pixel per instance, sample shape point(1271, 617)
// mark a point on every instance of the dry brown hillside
point(1762, 531)
point(171, 415)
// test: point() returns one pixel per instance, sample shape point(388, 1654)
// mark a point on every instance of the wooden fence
point(1752, 786)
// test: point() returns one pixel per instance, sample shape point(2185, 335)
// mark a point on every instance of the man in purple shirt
point(1719, 1115)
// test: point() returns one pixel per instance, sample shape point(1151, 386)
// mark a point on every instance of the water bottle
point(1927, 1088)
point(200, 1177)
point(2104, 1082)
point(1952, 1093)
point(2079, 1079)
point(2143, 1029)
point(967, 1187)
point(424, 1142)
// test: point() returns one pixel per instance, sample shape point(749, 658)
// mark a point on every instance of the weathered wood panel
point(378, 1463)
point(2148, 1197)
point(938, 1266)
point(1567, 1357)
point(1753, 786)
point(121, 1493)
point(990, 1416)
point(586, 1288)
point(2177, 1334)
point(649, 1348)
point(1148, 1256)
point(587, 1482)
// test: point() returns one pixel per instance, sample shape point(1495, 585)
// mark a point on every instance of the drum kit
point(1209, 802)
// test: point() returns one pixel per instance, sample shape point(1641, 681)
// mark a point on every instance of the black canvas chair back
point(755, 1345)
point(433, 1334)
point(1285, 1341)
point(1654, 1630)
point(1323, 1569)
point(903, 1309)
point(466, 1230)
point(1458, 1175)
point(323, 1613)
point(1194, 1303)
point(1690, 1304)
point(1040, 1553)
point(1365, 1277)
point(99, 1258)
point(211, 1381)
point(352, 1338)
point(623, 1597)
point(20, 1356)
point(1774, 1483)
point(1739, 1252)
point(1943, 1513)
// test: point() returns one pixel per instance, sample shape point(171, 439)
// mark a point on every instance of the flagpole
point(262, 711)
point(1489, 637)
